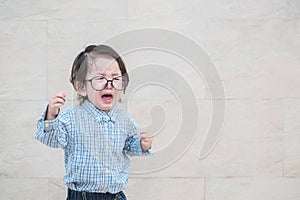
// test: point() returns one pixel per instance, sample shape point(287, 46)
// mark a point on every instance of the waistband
point(82, 195)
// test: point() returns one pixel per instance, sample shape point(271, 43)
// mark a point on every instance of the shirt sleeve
point(133, 141)
point(53, 133)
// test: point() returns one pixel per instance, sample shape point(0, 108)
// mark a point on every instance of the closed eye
point(99, 78)
point(117, 78)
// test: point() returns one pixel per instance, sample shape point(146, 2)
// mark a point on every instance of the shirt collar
point(100, 114)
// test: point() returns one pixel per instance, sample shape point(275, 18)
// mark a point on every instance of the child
point(96, 136)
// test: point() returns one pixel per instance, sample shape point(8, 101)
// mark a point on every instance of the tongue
point(107, 98)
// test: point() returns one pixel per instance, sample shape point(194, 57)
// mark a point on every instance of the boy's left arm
point(138, 143)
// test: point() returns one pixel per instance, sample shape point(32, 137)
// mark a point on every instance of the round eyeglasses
point(99, 83)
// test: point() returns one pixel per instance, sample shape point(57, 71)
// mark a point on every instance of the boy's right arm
point(57, 101)
point(51, 129)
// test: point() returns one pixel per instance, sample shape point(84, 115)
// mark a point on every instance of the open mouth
point(107, 98)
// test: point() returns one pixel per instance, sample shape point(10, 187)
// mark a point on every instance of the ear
point(81, 89)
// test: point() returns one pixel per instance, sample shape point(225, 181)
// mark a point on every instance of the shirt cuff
point(48, 125)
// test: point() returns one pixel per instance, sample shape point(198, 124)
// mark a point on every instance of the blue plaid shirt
point(96, 146)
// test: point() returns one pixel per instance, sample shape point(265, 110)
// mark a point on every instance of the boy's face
point(103, 67)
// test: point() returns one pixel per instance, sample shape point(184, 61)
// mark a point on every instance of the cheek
point(117, 96)
point(92, 94)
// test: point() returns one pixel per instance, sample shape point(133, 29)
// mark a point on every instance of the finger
point(60, 95)
point(147, 140)
point(146, 143)
point(57, 101)
point(60, 100)
point(146, 135)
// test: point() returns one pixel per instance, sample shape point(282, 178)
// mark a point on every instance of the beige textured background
point(255, 45)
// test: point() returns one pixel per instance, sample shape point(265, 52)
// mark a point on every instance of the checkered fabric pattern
point(96, 146)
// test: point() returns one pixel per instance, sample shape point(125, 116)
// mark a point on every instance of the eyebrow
point(114, 74)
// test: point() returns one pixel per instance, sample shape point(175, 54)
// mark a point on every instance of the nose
point(109, 84)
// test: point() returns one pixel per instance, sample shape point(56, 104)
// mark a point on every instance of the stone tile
point(165, 188)
point(216, 10)
point(273, 188)
point(250, 57)
point(88, 10)
point(16, 188)
point(23, 60)
point(193, 28)
point(251, 144)
point(34, 158)
point(176, 125)
point(292, 10)
point(165, 119)
point(57, 190)
point(291, 137)
point(21, 113)
point(157, 74)
point(19, 149)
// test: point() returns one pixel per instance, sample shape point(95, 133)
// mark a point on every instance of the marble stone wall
point(254, 45)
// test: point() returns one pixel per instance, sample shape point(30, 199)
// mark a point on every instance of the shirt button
point(106, 171)
point(98, 118)
point(106, 123)
point(107, 147)
point(46, 125)
point(103, 190)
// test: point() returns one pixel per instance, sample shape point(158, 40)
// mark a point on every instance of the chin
point(105, 107)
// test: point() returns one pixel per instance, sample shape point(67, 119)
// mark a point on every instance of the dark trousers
point(76, 195)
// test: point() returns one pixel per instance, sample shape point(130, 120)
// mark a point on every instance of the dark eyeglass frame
point(124, 82)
